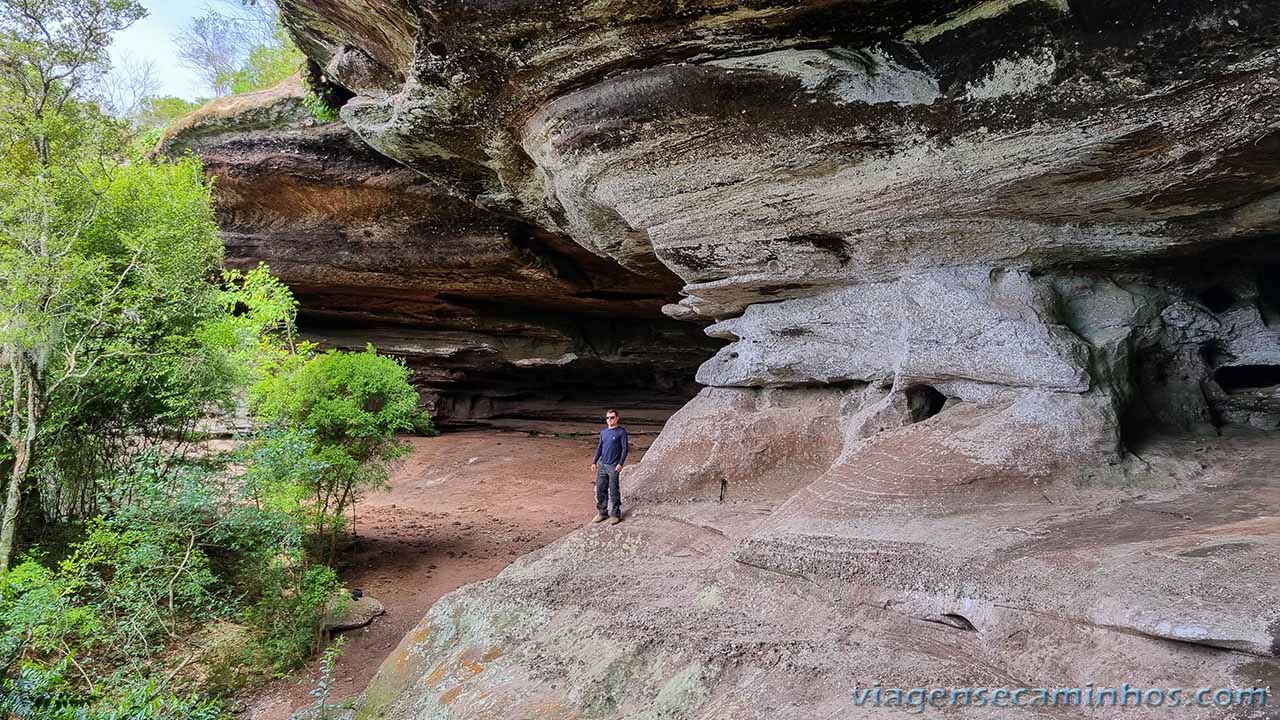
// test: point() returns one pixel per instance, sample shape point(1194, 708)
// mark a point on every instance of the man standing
point(611, 453)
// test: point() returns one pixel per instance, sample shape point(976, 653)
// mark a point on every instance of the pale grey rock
point(724, 214)
point(906, 563)
point(845, 76)
point(969, 324)
point(1012, 76)
point(741, 444)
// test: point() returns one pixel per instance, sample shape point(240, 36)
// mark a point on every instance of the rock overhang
point(497, 317)
point(955, 192)
point(967, 256)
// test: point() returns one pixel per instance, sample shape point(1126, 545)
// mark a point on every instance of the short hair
point(610, 410)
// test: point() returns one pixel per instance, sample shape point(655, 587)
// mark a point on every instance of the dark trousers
point(607, 491)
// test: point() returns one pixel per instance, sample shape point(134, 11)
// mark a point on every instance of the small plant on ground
point(322, 708)
point(425, 425)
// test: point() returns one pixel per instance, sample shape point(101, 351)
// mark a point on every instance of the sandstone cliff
point(499, 318)
point(1000, 288)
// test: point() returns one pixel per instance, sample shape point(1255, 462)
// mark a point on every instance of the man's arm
point(625, 447)
point(599, 449)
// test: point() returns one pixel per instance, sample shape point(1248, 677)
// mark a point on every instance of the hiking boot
point(600, 518)
point(615, 520)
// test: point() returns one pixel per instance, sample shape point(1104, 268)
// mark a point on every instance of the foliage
point(264, 65)
point(245, 49)
point(319, 109)
point(355, 401)
point(323, 98)
point(261, 306)
point(109, 307)
point(118, 334)
point(279, 464)
point(78, 255)
point(160, 112)
point(238, 48)
point(182, 553)
point(290, 616)
point(217, 44)
point(37, 691)
point(424, 424)
point(48, 52)
point(345, 410)
point(147, 118)
point(256, 326)
point(184, 546)
point(322, 709)
point(123, 592)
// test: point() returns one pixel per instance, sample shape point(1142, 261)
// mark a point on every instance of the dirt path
point(460, 509)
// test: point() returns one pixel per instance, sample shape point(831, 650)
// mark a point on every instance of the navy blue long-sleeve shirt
point(612, 449)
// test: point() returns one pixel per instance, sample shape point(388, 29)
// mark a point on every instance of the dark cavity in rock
point(924, 401)
point(1218, 299)
point(1241, 378)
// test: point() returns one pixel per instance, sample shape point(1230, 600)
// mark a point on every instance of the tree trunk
point(13, 496)
point(22, 438)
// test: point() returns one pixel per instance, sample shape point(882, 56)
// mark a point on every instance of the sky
point(151, 38)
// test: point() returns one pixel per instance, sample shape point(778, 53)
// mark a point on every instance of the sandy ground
point(460, 509)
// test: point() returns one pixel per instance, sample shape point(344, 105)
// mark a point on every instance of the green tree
point(50, 50)
point(156, 373)
point(103, 279)
point(104, 264)
point(328, 420)
point(160, 112)
point(264, 65)
point(350, 405)
point(238, 46)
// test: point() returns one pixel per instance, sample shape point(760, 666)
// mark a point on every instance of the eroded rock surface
point(1001, 290)
point(497, 317)
point(908, 564)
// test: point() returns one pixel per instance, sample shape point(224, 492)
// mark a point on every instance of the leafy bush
point(323, 98)
point(344, 410)
point(290, 615)
point(355, 401)
point(180, 552)
point(145, 585)
point(43, 692)
point(319, 109)
point(424, 424)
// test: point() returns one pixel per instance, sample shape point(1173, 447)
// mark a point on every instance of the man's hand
point(593, 467)
point(618, 468)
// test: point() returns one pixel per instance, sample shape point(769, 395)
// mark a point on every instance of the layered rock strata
point(1001, 292)
point(498, 318)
